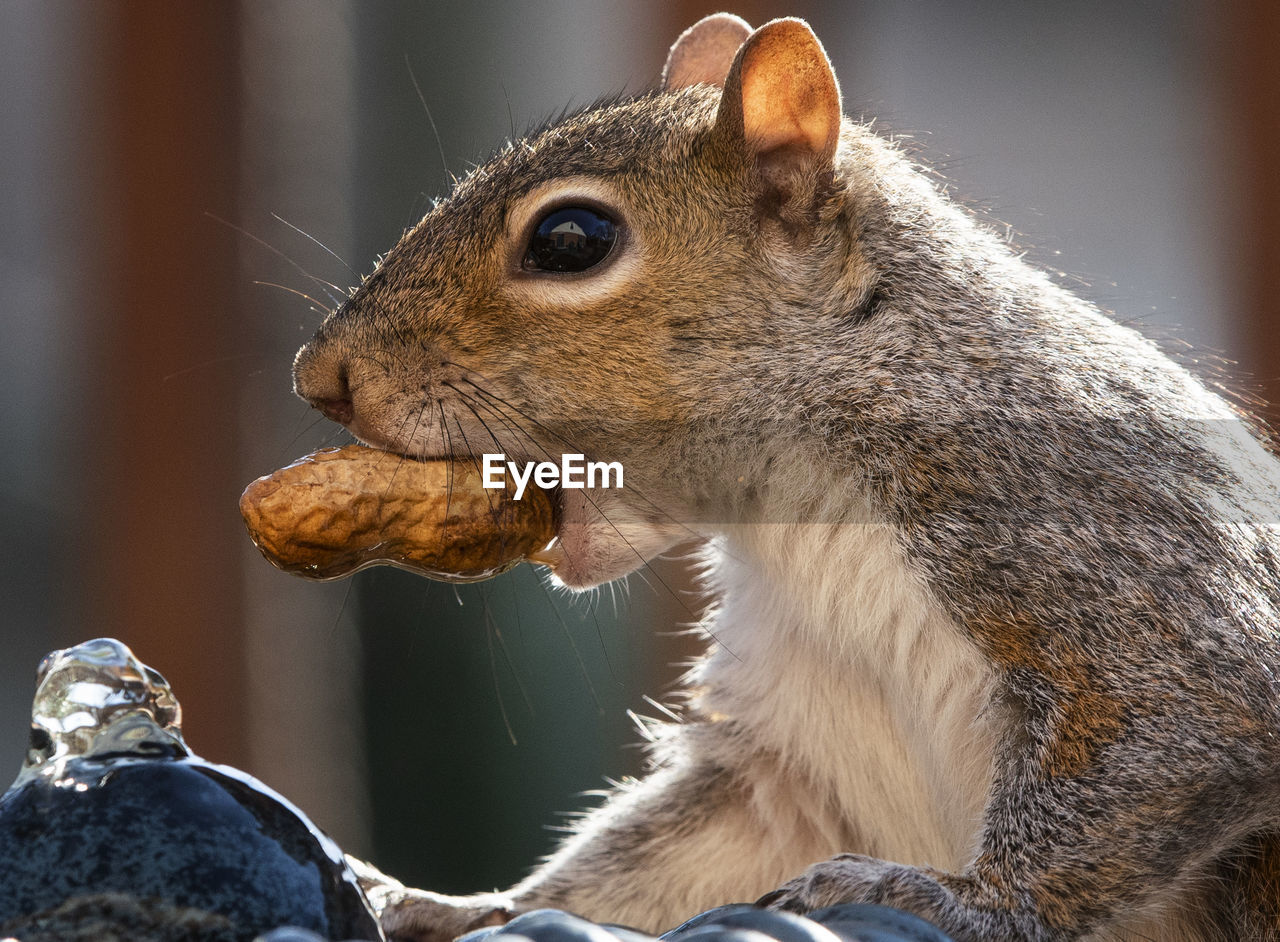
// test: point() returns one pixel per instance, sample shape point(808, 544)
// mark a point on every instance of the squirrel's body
point(998, 595)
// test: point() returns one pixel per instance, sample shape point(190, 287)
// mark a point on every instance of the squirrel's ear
point(704, 52)
point(782, 99)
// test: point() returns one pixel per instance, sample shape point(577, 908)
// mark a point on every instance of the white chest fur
point(835, 661)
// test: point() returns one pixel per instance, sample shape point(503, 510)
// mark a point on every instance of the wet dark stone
point(784, 927)
point(186, 831)
point(865, 922)
point(851, 922)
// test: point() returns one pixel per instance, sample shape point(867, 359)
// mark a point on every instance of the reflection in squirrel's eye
point(570, 239)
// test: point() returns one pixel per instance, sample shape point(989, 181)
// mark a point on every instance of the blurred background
point(178, 181)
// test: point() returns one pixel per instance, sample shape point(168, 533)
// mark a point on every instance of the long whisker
point(444, 163)
point(506, 655)
point(644, 563)
point(653, 505)
point(448, 499)
point(309, 237)
point(568, 444)
point(213, 361)
point(466, 401)
point(281, 255)
point(494, 511)
point(351, 358)
point(317, 306)
point(416, 425)
point(378, 307)
point(511, 120)
point(337, 619)
point(493, 670)
point(551, 601)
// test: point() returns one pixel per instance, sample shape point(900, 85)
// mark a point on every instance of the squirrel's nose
point(339, 410)
point(322, 381)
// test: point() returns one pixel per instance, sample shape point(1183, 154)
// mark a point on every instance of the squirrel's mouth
point(552, 553)
point(597, 535)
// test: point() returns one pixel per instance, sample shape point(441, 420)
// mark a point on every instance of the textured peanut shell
point(342, 509)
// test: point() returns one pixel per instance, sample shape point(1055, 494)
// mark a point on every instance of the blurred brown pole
point(1252, 56)
point(160, 553)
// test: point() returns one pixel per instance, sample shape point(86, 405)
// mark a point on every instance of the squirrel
point(996, 620)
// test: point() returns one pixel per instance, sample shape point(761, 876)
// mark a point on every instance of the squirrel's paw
point(852, 878)
point(421, 916)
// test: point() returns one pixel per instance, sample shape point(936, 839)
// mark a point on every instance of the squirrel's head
point(612, 286)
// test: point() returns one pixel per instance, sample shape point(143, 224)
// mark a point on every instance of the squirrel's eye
point(570, 239)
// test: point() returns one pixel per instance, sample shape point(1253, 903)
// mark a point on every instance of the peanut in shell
point(339, 510)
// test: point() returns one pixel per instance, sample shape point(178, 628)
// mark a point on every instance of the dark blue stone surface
point(183, 830)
